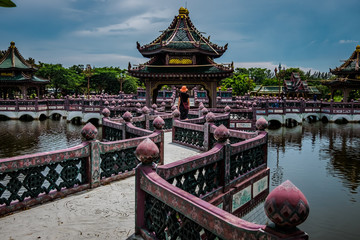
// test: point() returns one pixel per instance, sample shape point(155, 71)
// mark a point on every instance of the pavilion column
point(332, 93)
point(148, 93)
point(346, 93)
point(212, 94)
point(23, 90)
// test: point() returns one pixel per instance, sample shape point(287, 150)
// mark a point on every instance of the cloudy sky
point(310, 34)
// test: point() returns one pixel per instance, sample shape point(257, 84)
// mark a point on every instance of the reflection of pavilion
point(17, 75)
point(181, 55)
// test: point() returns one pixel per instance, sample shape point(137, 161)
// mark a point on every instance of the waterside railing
point(200, 197)
point(32, 179)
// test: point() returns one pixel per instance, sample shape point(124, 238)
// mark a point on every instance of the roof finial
point(12, 44)
point(183, 11)
point(358, 48)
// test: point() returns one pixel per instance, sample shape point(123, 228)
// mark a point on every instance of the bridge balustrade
point(33, 179)
point(199, 197)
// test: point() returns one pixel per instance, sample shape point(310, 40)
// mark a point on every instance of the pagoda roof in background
point(349, 66)
point(12, 60)
point(14, 69)
point(181, 36)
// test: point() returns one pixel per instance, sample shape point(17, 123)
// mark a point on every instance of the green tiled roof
point(13, 59)
point(181, 35)
point(21, 78)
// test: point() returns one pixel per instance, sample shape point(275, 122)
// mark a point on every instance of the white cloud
point(347, 41)
point(146, 22)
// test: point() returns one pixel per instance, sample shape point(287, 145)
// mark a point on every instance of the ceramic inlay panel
point(241, 197)
point(260, 186)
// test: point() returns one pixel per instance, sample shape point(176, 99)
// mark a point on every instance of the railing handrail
point(227, 225)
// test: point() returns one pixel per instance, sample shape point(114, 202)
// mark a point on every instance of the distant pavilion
point(348, 76)
point(17, 76)
point(181, 55)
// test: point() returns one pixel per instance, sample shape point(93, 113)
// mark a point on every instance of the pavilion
point(17, 76)
point(181, 55)
point(348, 76)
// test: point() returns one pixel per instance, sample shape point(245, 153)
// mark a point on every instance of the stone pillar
point(148, 93)
point(89, 132)
point(222, 135)
point(346, 93)
point(159, 124)
point(210, 119)
point(147, 153)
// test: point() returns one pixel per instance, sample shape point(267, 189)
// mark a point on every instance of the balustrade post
point(17, 104)
point(106, 113)
point(261, 125)
point(222, 135)
point(66, 103)
point(145, 111)
point(36, 104)
point(159, 124)
point(176, 116)
point(210, 119)
point(82, 104)
point(147, 153)
point(89, 132)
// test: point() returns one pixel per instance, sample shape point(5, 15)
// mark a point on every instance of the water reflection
point(26, 137)
point(338, 146)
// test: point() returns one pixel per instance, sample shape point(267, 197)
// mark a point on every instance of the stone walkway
point(106, 212)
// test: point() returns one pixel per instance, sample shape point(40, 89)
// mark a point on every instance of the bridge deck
point(107, 212)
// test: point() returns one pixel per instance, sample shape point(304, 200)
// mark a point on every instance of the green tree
point(130, 84)
point(61, 79)
point(240, 83)
point(7, 3)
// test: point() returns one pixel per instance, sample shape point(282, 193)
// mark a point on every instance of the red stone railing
point(200, 197)
point(33, 179)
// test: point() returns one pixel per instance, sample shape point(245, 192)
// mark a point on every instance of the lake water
point(322, 160)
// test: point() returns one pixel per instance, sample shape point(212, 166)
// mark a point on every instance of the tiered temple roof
point(348, 74)
point(181, 50)
point(295, 84)
point(14, 69)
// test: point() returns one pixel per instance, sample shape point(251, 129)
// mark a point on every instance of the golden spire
point(183, 12)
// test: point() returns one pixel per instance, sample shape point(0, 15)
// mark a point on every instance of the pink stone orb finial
point(158, 123)
point(286, 206)
point(154, 106)
point(89, 131)
point(173, 107)
point(163, 104)
point(176, 113)
point(145, 110)
point(204, 111)
point(147, 152)
point(221, 133)
point(106, 112)
point(127, 116)
point(201, 106)
point(227, 109)
point(106, 103)
point(261, 124)
point(138, 105)
point(210, 117)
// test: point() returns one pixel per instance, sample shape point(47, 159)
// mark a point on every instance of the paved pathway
point(106, 212)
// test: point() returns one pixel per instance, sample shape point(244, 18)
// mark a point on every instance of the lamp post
point(88, 74)
point(278, 76)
